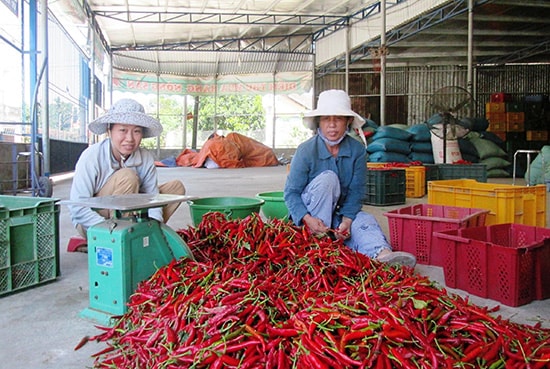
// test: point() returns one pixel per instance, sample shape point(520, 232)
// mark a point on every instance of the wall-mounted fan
point(447, 112)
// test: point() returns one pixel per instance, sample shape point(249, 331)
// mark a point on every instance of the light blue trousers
point(321, 197)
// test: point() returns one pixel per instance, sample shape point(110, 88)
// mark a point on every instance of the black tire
point(45, 187)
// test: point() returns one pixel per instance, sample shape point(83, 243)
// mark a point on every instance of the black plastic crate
point(385, 187)
point(436, 172)
point(459, 171)
point(432, 173)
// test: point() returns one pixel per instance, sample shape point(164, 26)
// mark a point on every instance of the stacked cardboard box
point(495, 112)
point(521, 123)
point(504, 115)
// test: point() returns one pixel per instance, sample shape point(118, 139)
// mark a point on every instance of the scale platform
point(126, 250)
point(130, 202)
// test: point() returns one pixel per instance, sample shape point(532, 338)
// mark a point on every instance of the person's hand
point(315, 225)
point(343, 230)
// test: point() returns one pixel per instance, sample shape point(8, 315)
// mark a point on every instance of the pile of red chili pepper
point(268, 294)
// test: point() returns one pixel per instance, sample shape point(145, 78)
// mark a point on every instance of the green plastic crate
point(29, 242)
point(385, 187)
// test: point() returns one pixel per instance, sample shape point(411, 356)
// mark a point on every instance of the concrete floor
point(40, 327)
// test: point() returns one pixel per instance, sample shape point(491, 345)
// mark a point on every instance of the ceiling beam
point(176, 17)
point(521, 54)
point(299, 44)
point(485, 32)
point(456, 43)
point(444, 29)
point(421, 24)
point(327, 24)
point(479, 18)
point(524, 3)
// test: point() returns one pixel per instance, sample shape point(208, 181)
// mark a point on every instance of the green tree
point(235, 113)
point(238, 113)
point(170, 116)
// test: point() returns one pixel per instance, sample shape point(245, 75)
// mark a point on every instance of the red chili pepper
point(239, 346)
point(282, 332)
point(342, 357)
point(474, 353)
point(104, 351)
point(260, 293)
point(315, 362)
point(256, 335)
point(82, 342)
point(398, 333)
point(229, 360)
point(282, 358)
point(171, 336)
point(217, 364)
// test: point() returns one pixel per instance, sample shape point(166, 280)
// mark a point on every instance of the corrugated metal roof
point(204, 37)
point(211, 63)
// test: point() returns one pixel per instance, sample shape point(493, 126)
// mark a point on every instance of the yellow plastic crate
point(415, 177)
point(416, 181)
point(378, 165)
point(506, 203)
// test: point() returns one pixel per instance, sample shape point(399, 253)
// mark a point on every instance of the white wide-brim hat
point(333, 102)
point(127, 111)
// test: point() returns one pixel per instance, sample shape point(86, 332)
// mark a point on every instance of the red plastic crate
point(500, 97)
point(508, 262)
point(542, 274)
point(412, 228)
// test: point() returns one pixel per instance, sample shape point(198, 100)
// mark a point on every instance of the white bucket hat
point(127, 111)
point(333, 102)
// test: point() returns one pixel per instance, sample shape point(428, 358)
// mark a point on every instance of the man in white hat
point(118, 165)
point(327, 181)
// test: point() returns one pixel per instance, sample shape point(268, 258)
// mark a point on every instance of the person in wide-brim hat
point(127, 111)
point(327, 182)
point(336, 103)
point(117, 165)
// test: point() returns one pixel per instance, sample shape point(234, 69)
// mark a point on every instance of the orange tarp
point(231, 151)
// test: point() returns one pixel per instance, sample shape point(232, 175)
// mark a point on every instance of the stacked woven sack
point(390, 143)
point(399, 143)
point(481, 146)
point(421, 144)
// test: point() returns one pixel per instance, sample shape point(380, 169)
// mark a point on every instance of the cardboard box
point(495, 107)
point(536, 135)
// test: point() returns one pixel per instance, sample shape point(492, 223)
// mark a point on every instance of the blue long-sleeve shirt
point(94, 167)
point(311, 158)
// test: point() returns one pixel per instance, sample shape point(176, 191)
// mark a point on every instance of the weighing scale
point(126, 249)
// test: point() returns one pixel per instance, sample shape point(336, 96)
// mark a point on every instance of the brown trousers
point(126, 181)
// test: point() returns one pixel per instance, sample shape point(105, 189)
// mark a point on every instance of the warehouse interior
point(484, 47)
point(492, 49)
point(293, 36)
